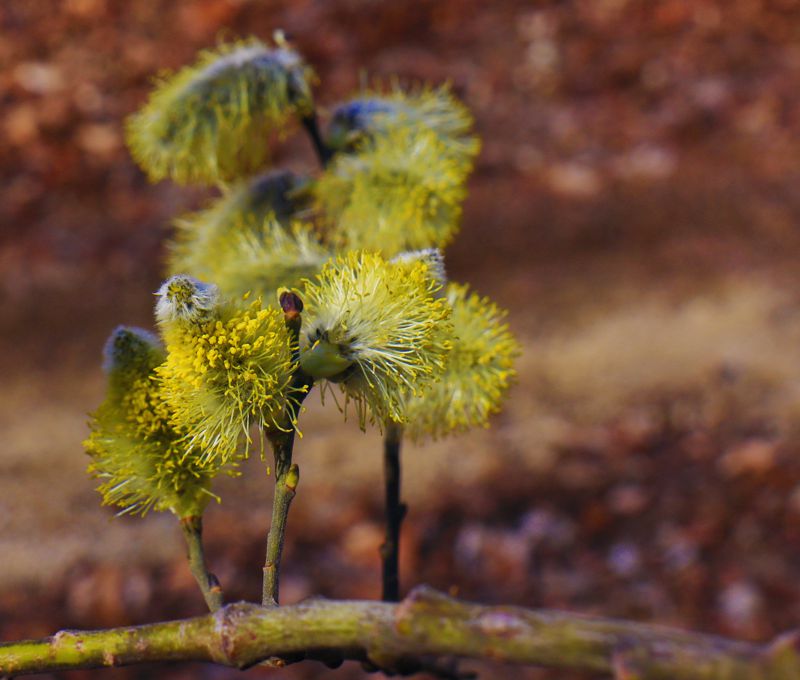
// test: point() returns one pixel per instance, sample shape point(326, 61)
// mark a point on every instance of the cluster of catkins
point(359, 243)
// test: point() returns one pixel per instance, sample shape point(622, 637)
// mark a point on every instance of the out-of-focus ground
point(635, 206)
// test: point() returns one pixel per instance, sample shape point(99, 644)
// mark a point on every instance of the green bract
point(212, 121)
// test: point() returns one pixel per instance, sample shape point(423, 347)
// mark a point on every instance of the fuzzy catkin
point(387, 325)
point(226, 371)
point(139, 454)
point(204, 239)
point(212, 121)
point(375, 111)
point(478, 371)
point(400, 191)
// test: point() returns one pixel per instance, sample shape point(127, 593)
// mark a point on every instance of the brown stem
point(402, 638)
point(395, 512)
point(209, 585)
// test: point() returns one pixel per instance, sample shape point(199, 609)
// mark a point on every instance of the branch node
point(623, 665)
point(227, 620)
point(421, 603)
point(424, 597)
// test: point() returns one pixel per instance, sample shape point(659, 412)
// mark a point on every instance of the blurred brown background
point(636, 208)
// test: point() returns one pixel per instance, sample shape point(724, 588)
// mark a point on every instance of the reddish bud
point(290, 303)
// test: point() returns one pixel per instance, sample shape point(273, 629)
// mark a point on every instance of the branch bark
point(402, 638)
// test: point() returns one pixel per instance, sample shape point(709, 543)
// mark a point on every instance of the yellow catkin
point(401, 190)
point(212, 121)
point(139, 454)
point(260, 260)
point(479, 370)
point(205, 241)
point(378, 110)
point(226, 373)
point(386, 322)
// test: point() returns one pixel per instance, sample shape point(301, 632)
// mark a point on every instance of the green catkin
point(376, 111)
point(258, 258)
point(204, 239)
point(264, 260)
point(400, 191)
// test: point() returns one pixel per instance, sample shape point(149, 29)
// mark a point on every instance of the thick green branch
point(401, 637)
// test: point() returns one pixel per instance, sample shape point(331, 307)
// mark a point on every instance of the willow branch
point(400, 637)
point(395, 512)
point(208, 583)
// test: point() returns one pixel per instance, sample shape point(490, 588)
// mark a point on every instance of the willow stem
point(209, 585)
point(287, 475)
point(395, 512)
point(311, 126)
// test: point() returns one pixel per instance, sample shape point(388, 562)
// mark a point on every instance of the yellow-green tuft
point(263, 259)
point(479, 370)
point(376, 111)
point(138, 453)
point(376, 328)
point(401, 191)
point(212, 121)
point(204, 238)
point(228, 373)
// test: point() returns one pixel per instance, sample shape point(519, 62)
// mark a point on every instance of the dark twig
point(395, 512)
point(311, 126)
